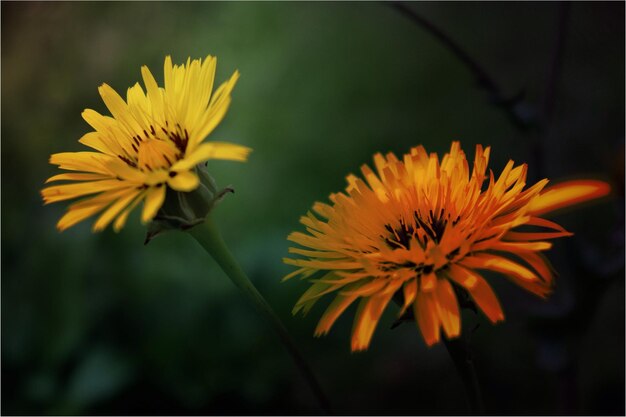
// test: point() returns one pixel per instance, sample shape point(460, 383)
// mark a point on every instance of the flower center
point(423, 228)
point(156, 154)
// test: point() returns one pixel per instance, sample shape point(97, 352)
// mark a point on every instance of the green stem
point(211, 240)
point(461, 355)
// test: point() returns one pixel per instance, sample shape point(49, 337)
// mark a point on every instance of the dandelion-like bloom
point(153, 142)
point(420, 227)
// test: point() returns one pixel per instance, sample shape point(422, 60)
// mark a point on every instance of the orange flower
point(421, 227)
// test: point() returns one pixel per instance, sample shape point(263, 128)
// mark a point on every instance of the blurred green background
point(100, 324)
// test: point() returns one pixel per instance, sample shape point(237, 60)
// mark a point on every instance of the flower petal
point(121, 219)
point(370, 310)
point(115, 208)
point(153, 202)
point(519, 274)
point(480, 291)
point(332, 313)
point(499, 264)
point(76, 177)
point(63, 192)
point(119, 109)
point(183, 181)
point(425, 309)
point(213, 150)
point(409, 292)
point(567, 194)
point(448, 309)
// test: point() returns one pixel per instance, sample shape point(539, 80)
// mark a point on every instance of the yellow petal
point(168, 75)
point(567, 194)
point(94, 140)
point(121, 219)
point(183, 181)
point(75, 177)
point(83, 209)
point(218, 106)
point(118, 108)
point(74, 216)
point(56, 193)
point(154, 200)
point(213, 150)
point(82, 161)
point(114, 210)
point(154, 93)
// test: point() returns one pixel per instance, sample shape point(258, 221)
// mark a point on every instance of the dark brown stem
point(552, 80)
point(510, 105)
point(556, 64)
point(460, 352)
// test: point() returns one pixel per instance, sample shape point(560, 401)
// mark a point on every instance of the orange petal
point(519, 246)
point(480, 291)
point(500, 264)
point(428, 282)
point(427, 318)
point(409, 291)
point(334, 310)
point(519, 274)
point(370, 310)
point(448, 309)
point(539, 263)
point(315, 291)
point(568, 193)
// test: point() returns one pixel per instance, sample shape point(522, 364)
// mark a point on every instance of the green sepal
point(184, 210)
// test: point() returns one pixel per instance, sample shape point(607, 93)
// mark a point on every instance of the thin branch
point(461, 355)
point(554, 71)
point(510, 105)
point(556, 65)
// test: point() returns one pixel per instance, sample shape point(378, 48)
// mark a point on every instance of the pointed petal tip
point(569, 193)
point(320, 332)
point(359, 347)
point(285, 278)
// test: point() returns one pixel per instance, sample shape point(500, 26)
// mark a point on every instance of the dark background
point(100, 324)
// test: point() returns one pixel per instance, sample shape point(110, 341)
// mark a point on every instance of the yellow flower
point(421, 227)
point(153, 142)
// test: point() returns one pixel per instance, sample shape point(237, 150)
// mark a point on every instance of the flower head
point(421, 229)
point(152, 142)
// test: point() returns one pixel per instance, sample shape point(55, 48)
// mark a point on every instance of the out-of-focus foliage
point(102, 324)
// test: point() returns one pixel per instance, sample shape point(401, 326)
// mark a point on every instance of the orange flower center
point(156, 154)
